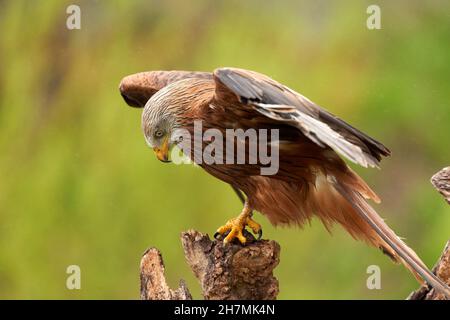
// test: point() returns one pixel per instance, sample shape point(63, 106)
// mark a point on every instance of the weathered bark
point(442, 270)
point(153, 281)
point(441, 181)
point(231, 271)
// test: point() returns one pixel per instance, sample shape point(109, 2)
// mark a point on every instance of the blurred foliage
point(79, 186)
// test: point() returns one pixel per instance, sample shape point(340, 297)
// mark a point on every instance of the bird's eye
point(158, 134)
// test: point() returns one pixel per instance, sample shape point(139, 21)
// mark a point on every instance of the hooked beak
point(162, 153)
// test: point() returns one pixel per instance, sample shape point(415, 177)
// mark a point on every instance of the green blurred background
point(78, 185)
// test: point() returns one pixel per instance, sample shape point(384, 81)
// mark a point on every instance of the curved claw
point(255, 226)
point(234, 229)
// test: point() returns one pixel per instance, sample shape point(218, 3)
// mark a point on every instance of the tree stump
point(225, 272)
point(233, 271)
point(441, 181)
point(442, 270)
point(153, 282)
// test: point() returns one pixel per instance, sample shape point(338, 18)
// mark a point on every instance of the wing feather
point(281, 103)
point(137, 88)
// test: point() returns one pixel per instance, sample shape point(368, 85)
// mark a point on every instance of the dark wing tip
point(374, 147)
point(377, 149)
point(134, 94)
point(134, 101)
point(385, 151)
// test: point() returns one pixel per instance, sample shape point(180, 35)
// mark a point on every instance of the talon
point(235, 233)
point(255, 226)
point(235, 228)
point(260, 234)
point(226, 227)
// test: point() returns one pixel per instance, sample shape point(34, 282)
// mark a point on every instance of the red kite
point(312, 179)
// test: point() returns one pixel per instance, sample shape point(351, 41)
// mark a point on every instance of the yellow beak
point(162, 153)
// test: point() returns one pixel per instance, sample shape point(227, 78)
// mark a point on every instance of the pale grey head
point(161, 118)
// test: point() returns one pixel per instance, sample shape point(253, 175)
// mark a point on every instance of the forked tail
point(390, 243)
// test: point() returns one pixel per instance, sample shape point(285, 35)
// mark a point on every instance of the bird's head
point(158, 136)
point(160, 122)
point(167, 110)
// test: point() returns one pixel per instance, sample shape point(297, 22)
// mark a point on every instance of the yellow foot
point(236, 226)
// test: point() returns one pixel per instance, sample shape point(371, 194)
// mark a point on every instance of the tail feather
point(338, 196)
point(389, 242)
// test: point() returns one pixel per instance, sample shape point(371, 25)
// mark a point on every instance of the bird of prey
point(312, 180)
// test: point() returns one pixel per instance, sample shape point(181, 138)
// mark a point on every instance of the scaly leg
point(235, 226)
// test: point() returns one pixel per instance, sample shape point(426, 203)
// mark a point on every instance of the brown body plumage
point(312, 179)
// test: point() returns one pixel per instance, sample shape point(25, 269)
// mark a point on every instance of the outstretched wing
point(280, 103)
point(137, 88)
